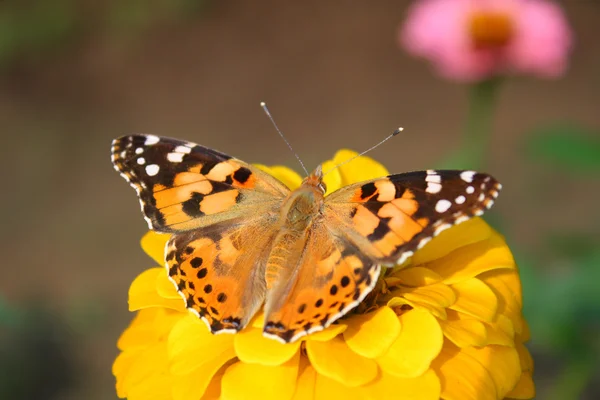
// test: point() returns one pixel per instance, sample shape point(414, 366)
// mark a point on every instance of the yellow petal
point(525, 388)
point(121, 367)
point(191, 345)
point(465, 332)
point(305, 387)
point(335, 360)
point(285, 175)
point(252, 347)
point(327, 334)
point(476, 299)
point(438, 312)
point(524, 357)
point(360, 169)
point(474, 259)
point(462, 377)
point(438, 295)
point(258, 321)
point(156, 387)
point(140, 332)
point(370, 335)
point(166, 288)
point(386, 386)
point(507, 287)
point(469, 232)
point(148, 327)
point(213, 391)
point(500, 331)
point(254, 381)
point(146, 373)
point(417, 276)
point(204, 382)
point(328, 389)
point(333, 178)
point(143, 293)
point(419, 342)
point(501, 362)
point(153, 243)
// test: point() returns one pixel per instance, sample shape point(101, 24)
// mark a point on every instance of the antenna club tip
point(397, 131)
point(262, 104)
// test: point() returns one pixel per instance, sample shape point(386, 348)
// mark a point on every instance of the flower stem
point(478, 127)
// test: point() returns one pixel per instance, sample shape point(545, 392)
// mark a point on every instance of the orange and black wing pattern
point(219, 271)
point(392, 217)
point(184, 186)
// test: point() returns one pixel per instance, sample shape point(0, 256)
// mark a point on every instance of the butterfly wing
point(331, 278)
point(392, 217)
point(184, 186)
point(364, 226)
point(222, 214)
point(219, 271)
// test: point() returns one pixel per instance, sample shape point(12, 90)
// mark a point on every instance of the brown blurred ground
point(333, 77)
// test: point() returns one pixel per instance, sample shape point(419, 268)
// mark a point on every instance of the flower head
point(446, 324)
point(471, 40)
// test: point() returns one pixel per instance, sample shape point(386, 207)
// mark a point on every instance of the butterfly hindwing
point(219, 271)
point(390, 218)
point(184, 186)
point(331, 278)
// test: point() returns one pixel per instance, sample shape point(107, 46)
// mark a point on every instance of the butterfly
point(241, 240)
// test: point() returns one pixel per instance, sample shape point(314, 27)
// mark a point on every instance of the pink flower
point(471, 40)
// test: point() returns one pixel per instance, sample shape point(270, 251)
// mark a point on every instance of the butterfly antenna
point(266, 110)
point(397, 131)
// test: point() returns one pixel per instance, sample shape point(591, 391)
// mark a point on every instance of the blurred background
point(74, 74)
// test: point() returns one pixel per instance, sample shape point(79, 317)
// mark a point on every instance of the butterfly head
point(315, 180)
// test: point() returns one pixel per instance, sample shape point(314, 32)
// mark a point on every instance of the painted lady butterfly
point(241, 239)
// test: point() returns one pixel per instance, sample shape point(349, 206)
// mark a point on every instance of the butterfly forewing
point(184, 186)
point(390, 218)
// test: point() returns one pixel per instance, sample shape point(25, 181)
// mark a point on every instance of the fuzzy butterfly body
point(242, 241)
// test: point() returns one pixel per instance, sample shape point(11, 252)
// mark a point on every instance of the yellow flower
point(447, 324)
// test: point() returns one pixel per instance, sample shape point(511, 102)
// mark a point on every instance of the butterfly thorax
point(300, 210)
point(304, 204)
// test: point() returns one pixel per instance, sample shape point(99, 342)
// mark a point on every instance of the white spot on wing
point(152, 169)
point(175, 157)
point(433, 187)
point(139, 150)
point(442, 205)
point(460, 199)
point(183, 149)
point(151, 139)
point(141, 161)
point(470, 189)
point(467, 176)
point(433, 176)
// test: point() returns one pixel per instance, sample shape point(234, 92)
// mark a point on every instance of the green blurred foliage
point(34, 366)
point(566, 145)
point(36, 28)
point(560, 282)
point(33, 28)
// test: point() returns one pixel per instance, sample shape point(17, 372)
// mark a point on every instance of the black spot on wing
point(242, 175)
point(381, 230)
point(192, 206)
point(367, 190)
